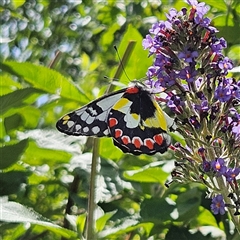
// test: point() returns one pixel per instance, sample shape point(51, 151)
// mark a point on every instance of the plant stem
point(91, 200)
point(225, 192)
point(56, 59)
point(90, 228)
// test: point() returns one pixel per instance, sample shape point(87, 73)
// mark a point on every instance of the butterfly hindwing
point(90, 120)
point(137, 123)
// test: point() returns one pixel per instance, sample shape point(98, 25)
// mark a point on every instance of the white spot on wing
point(130, 121)
point(106, 132)
point(70, 123)
point(167, 138)
point(102, 116)
point(78, 127)
point(84, 116)
point(96, 129)
point(109, 101)
point(93, 111)
point(89, 120)
point(86, 129)
point(80, 111)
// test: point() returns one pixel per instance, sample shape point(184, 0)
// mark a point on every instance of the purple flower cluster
point(188, 58)
point(219, 167)
point(191, 68)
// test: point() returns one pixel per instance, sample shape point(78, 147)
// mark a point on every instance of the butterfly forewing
point(90, 120)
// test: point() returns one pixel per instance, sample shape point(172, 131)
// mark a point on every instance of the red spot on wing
point(118, 133)
point(149, 143)
point(132, 90)
point(126, 140)
point(158, 139)
point(112, 122)
point(137, 141)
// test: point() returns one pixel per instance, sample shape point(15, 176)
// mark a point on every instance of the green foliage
point(43, 171)
point(10, 154)
point(44, 79)
point(15, 212)
point(149, 173)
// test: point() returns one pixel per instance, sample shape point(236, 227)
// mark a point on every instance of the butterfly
point(130, 116)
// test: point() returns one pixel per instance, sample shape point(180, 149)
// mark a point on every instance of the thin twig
point(90, 228)
point(56, 59)
point(91, 199)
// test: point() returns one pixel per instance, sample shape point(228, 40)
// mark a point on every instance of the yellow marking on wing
point(122, 105)
point(65, 119)
point(135, 116)
point(132, 120)
point(158, 120)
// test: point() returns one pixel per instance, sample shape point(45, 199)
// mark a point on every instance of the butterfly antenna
point(121, 62)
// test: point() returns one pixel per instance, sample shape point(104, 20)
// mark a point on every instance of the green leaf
point(156, 210)
point(15, 99)
point(234, 53)
point(206, 218)
point(12, 182)
point(3, 130)
point(229, 34)
point(85, 62)
point(7, 84)
point(35, 155)
point(177, 137)
point(30, 115)
point(16, 213)
point(188, 204)
point(221, 5)
point(13, 122)
point(81, 221)
point(12, 153)
point(108, 35)
point(45, 79)
point(18, 3)
point(108, 150)
point(111, 182)
point(118, 231)
point(53, 140)
point(16, 231)
point(101, 222)
point(147, 174)
point(126, 225)
point(179, 232)
point(220, 21)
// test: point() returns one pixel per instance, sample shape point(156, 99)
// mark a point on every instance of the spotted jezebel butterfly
point(131, 117)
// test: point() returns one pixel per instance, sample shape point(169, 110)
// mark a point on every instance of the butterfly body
point(130, 116)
